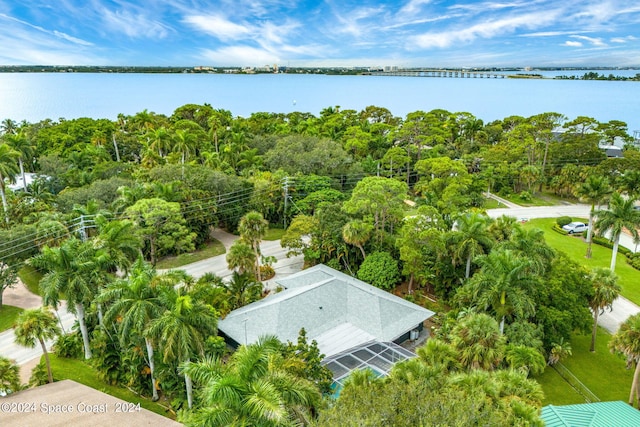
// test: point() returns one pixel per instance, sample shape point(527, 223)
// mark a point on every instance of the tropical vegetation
point(398, 202)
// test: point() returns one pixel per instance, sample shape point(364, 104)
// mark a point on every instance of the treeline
point(149, 185)
point(592, 75)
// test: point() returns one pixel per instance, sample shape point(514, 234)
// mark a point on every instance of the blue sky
point(321, 33)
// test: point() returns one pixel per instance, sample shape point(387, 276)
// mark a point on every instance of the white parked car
point(575, 227)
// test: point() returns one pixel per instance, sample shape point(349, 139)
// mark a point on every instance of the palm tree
point(136, 302)
point(8, 170)
point(621, 215)
point(184, 142)
point(627, 342)
point(630, 183)
point(22, 145)
point(529, 243)
point(478, 341)
point(182, 330)
point(254, 388)
point(473, 231)
point(503, 285)
point(119, 240)
point(502, 227)
point(252, 228)
point(9, 376)
point(357, 233)
point(241, 256)
point(440, 354)
point(69, 270)
point(9, 127)
point(594, 190)
point(243, 289)
point(159, 140)
point(37, 324)
point(559, 351)
point(525, 359)
point(605, 290)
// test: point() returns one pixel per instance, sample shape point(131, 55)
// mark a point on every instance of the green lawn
point(536, 200)
point(556, 390)
point(490, 204)
point(602, 372)
point(8, 314)
point(212, 249)
point(274, 234)
point(31, 278)
point(81, 372)
point(575, 247)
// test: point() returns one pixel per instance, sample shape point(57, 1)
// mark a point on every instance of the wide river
point(37, 96)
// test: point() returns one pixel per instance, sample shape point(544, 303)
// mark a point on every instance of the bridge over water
point(440, 73)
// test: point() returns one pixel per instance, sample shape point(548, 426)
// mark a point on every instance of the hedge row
point(558, 229)
point(633, 259)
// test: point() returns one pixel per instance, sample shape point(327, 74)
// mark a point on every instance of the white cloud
point(72, 39)
point(491, 5)
point(596, 41)
point(357, 22)
point(488, 29)
point(571, 43)
point(547, 34)
point(623, 39)
point(218, 26)
point(413, 7)
point(135, 25)
point(55, 33)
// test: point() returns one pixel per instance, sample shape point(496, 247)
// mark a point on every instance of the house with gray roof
point(336, 310)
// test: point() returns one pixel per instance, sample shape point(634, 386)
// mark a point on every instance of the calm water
point(38, 96)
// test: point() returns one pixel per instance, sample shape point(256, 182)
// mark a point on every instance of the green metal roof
point(599, 414)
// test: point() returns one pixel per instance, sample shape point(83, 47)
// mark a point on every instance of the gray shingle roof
point(329, 305)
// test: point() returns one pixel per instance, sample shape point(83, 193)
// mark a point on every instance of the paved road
point(622, 307)
point(22, 355)
point(218, 265)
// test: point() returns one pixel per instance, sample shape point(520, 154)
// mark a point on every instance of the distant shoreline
point(591, 73)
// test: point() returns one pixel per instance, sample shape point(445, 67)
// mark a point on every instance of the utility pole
point(83, 230)
point(286, 199)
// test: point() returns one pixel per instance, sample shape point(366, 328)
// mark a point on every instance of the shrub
point(39, 375)
point(563, 220)
point(634, 260)
point(215, 346)
point(335, 264)
point(558, 229)
point(69, 346)
point(525, 196)
point(602, 241)
point(107, 357)
point(267, 272)
point(380, 270)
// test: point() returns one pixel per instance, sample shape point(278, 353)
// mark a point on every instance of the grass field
point(8, 314)
point(212, 249)
point(490, 204)
point(575, 247)
point(81, 372)
point(602, 372)
point(535, 200)
point(274, 234)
